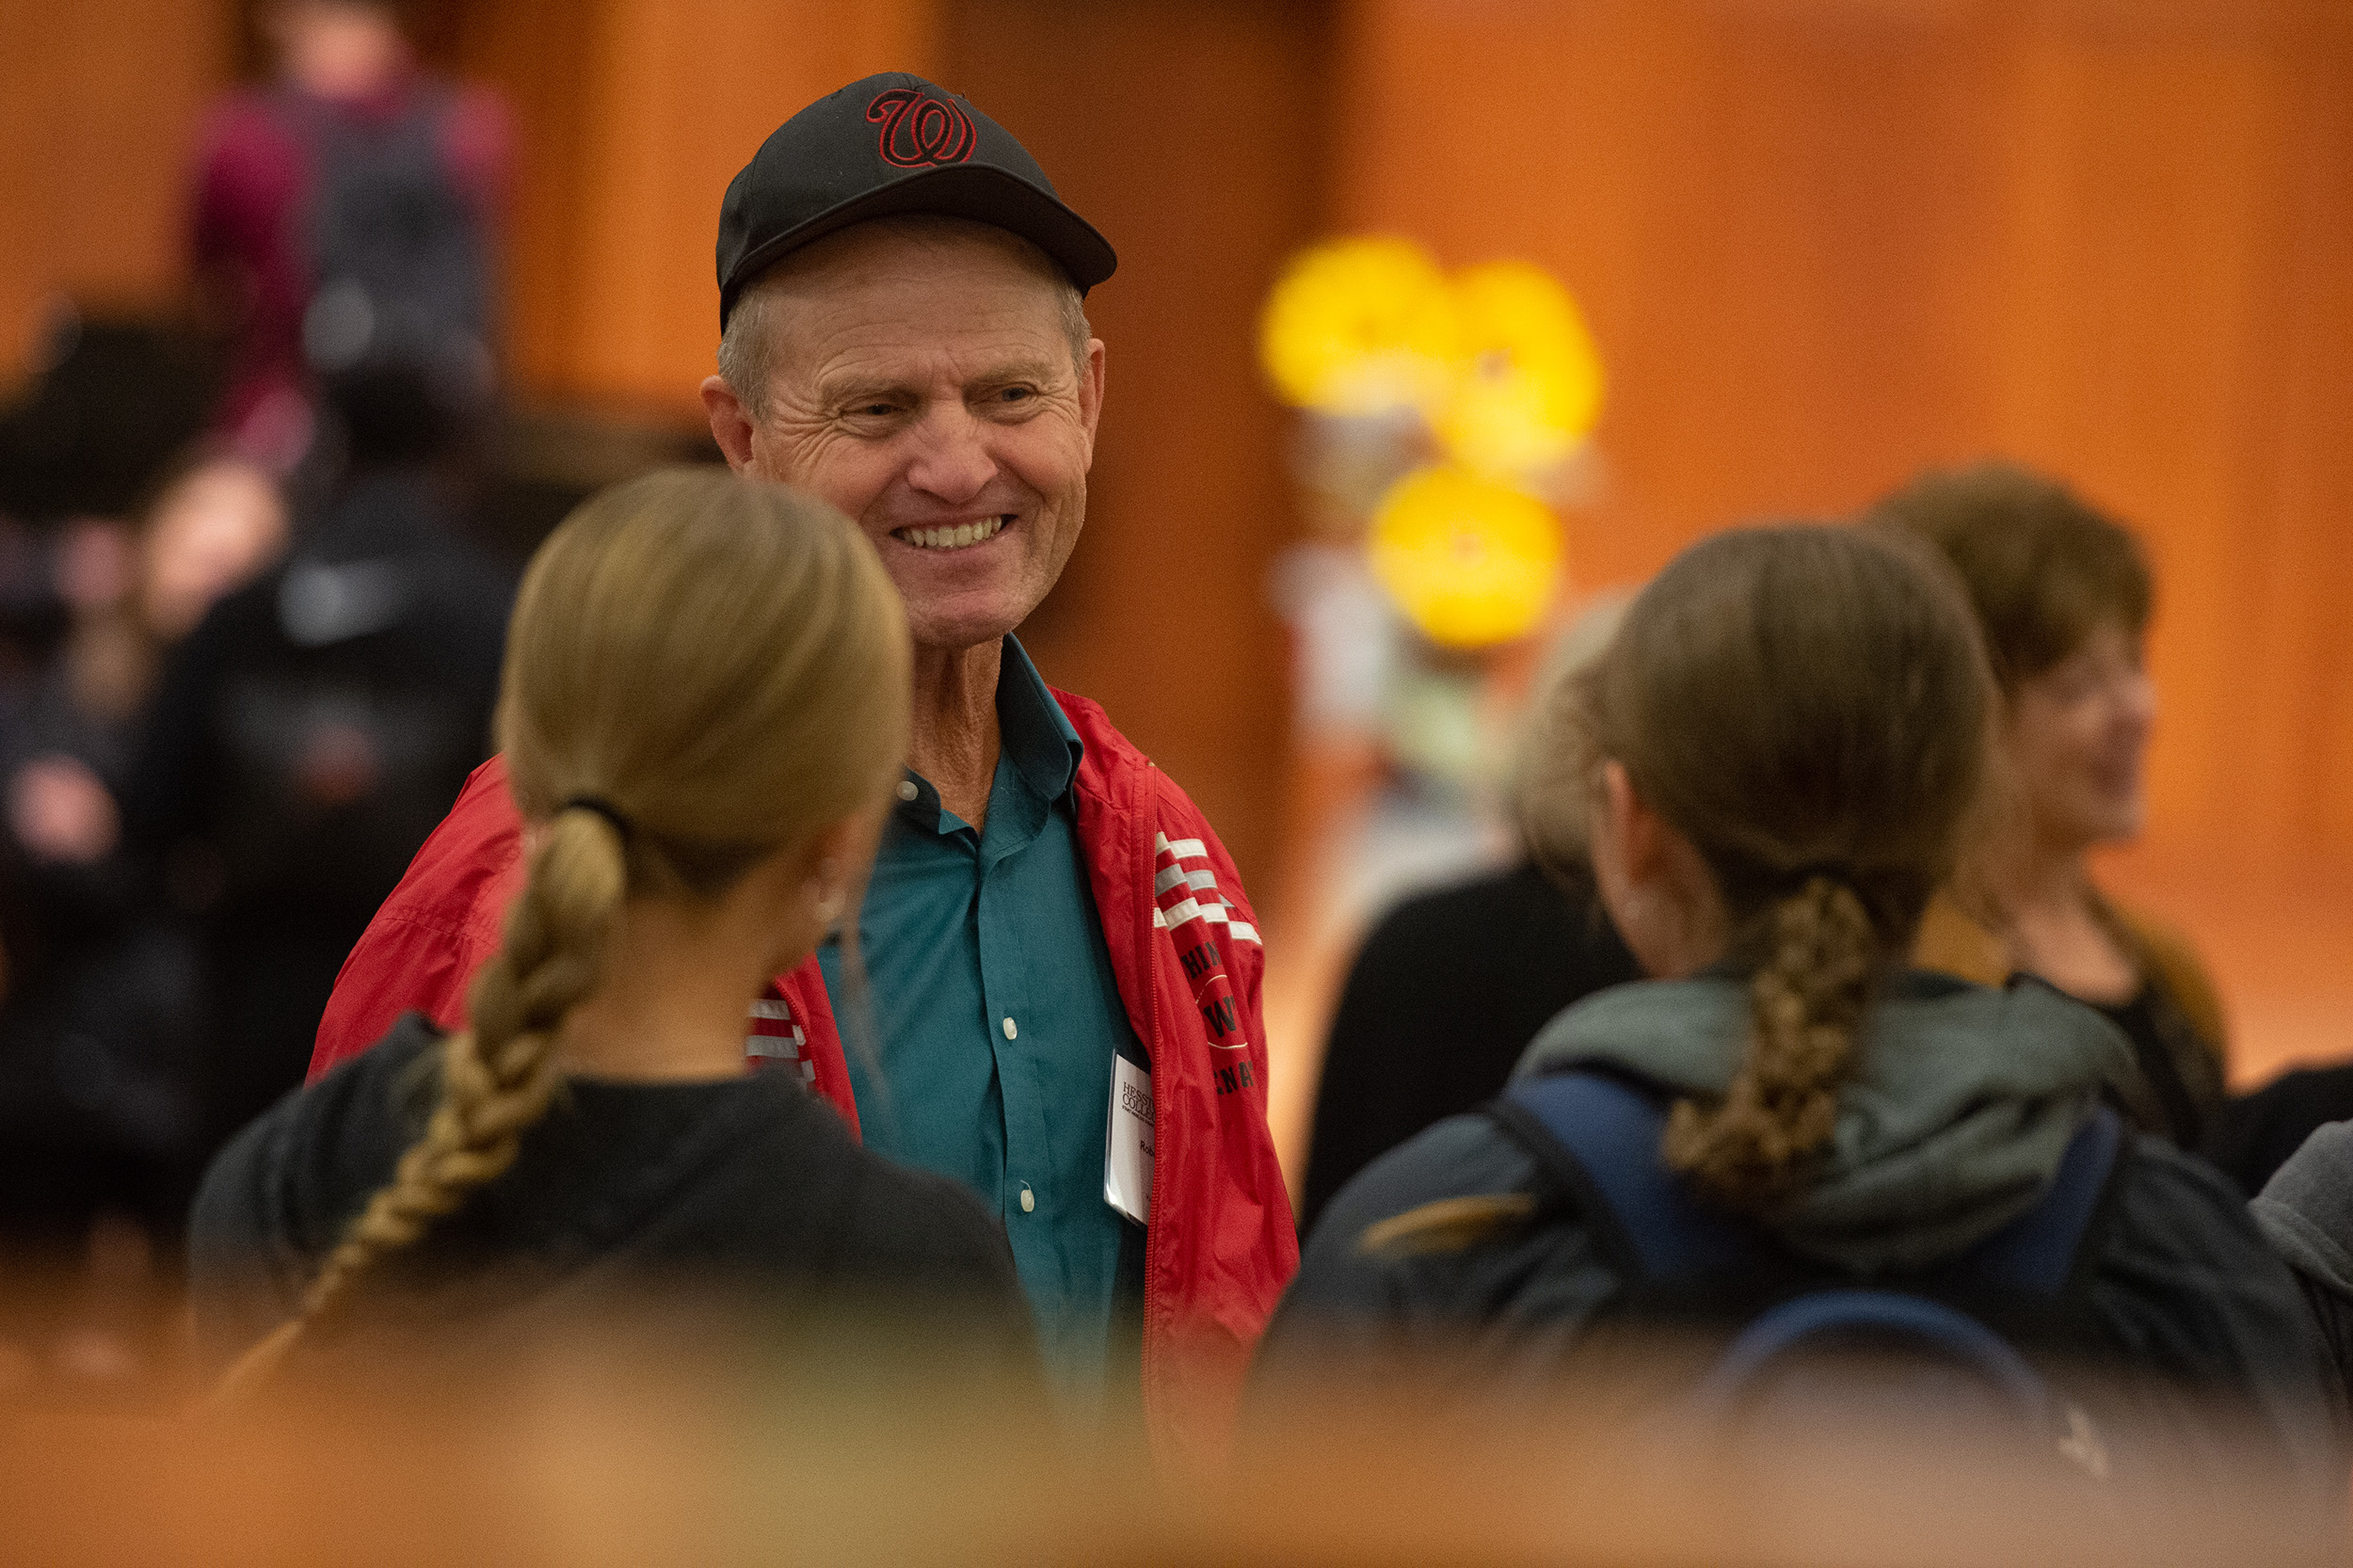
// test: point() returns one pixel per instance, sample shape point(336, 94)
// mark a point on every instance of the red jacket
point(1184, 946)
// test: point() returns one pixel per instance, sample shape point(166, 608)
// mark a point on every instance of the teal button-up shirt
point(998, 1014)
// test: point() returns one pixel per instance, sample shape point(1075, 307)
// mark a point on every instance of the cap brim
point(973, 191)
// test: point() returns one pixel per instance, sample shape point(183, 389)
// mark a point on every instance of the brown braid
point(1788, 697)
point(497, 1078)
point(1806, 1002)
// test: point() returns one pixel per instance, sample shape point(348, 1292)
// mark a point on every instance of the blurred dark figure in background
point(315, 728)
point(348, 211)
point(118, 529)
point(2254, 1134)
point(115, 534)
point(1451, 984)
point(114, 402)
point(2063, 597)
point(100, 1032)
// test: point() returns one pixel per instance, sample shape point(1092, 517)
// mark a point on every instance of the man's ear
point(730, 421)
point(1090, 391)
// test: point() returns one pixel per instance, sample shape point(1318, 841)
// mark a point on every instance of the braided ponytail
point(497, 1077)
point(701, 671)
point(1790, 697)
point(1806, 1001)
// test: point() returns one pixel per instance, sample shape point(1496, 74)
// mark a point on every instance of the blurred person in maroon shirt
point(348, 209)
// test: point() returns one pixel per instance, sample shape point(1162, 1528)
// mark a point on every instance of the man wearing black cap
point(1065, 971)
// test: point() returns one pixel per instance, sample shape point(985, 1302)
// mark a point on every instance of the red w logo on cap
point(918, 130)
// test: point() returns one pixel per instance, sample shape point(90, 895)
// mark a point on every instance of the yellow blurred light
point(1529, 383)
point(1470, 562)
point(1360, 326)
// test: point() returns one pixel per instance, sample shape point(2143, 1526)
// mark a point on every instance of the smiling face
point(2076, 734)
point(922, 378)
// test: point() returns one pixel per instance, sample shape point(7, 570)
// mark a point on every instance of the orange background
point(1822, 243)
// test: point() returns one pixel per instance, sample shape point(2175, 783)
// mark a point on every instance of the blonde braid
point(1807, 1004)
point(496, 1077)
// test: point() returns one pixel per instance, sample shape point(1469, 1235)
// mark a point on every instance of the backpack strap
point(1595, 1135)
point(1848, 1315)
point(2043, 1251)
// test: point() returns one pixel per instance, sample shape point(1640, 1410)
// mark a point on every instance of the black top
point(748, 1184)
point(1445, 992)
point(2145, 1021)
point(2252, 1136)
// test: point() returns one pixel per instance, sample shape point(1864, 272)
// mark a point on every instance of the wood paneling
point(1822, 242)
point(634, 115)
point(99, 104)
point(1826, 242)
point(1191, 135)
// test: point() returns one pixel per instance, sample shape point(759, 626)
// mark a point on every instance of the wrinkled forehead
point(915, 252)
point(884, 296)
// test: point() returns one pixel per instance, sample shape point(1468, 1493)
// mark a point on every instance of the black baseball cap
point(893, 143)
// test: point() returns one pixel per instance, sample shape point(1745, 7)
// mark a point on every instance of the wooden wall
point(1826, 241)
point(634, 115)
point(1191, 135)
point(100, 102)
point(1822, 242)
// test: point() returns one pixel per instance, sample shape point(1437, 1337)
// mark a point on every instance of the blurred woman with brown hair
point(704, 707)
point(1780, 750)
point(2063, 596)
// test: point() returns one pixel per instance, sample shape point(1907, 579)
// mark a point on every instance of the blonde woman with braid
point(704, 707)
point(1778, 752)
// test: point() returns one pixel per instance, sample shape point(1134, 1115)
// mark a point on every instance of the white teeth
point(957, 538)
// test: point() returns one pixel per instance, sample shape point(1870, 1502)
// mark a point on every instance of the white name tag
point(1128, 1146)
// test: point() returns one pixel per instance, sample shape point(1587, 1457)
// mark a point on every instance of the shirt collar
point(1033, 735)
point(1032, 726)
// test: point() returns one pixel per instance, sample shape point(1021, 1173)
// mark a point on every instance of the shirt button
point(1011, 1033)
point(908, 790)
point(1029, 1199)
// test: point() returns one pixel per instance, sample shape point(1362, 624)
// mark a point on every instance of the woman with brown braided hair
point(704, 705)
point(1779, 750)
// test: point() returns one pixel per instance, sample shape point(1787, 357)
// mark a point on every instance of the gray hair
point(747, 344)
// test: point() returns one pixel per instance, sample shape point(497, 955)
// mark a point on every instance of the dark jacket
point(1961, 1105)
point(102, 1070)
point(2254, 1134)
point(1445, 995)
point(742, 1185)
